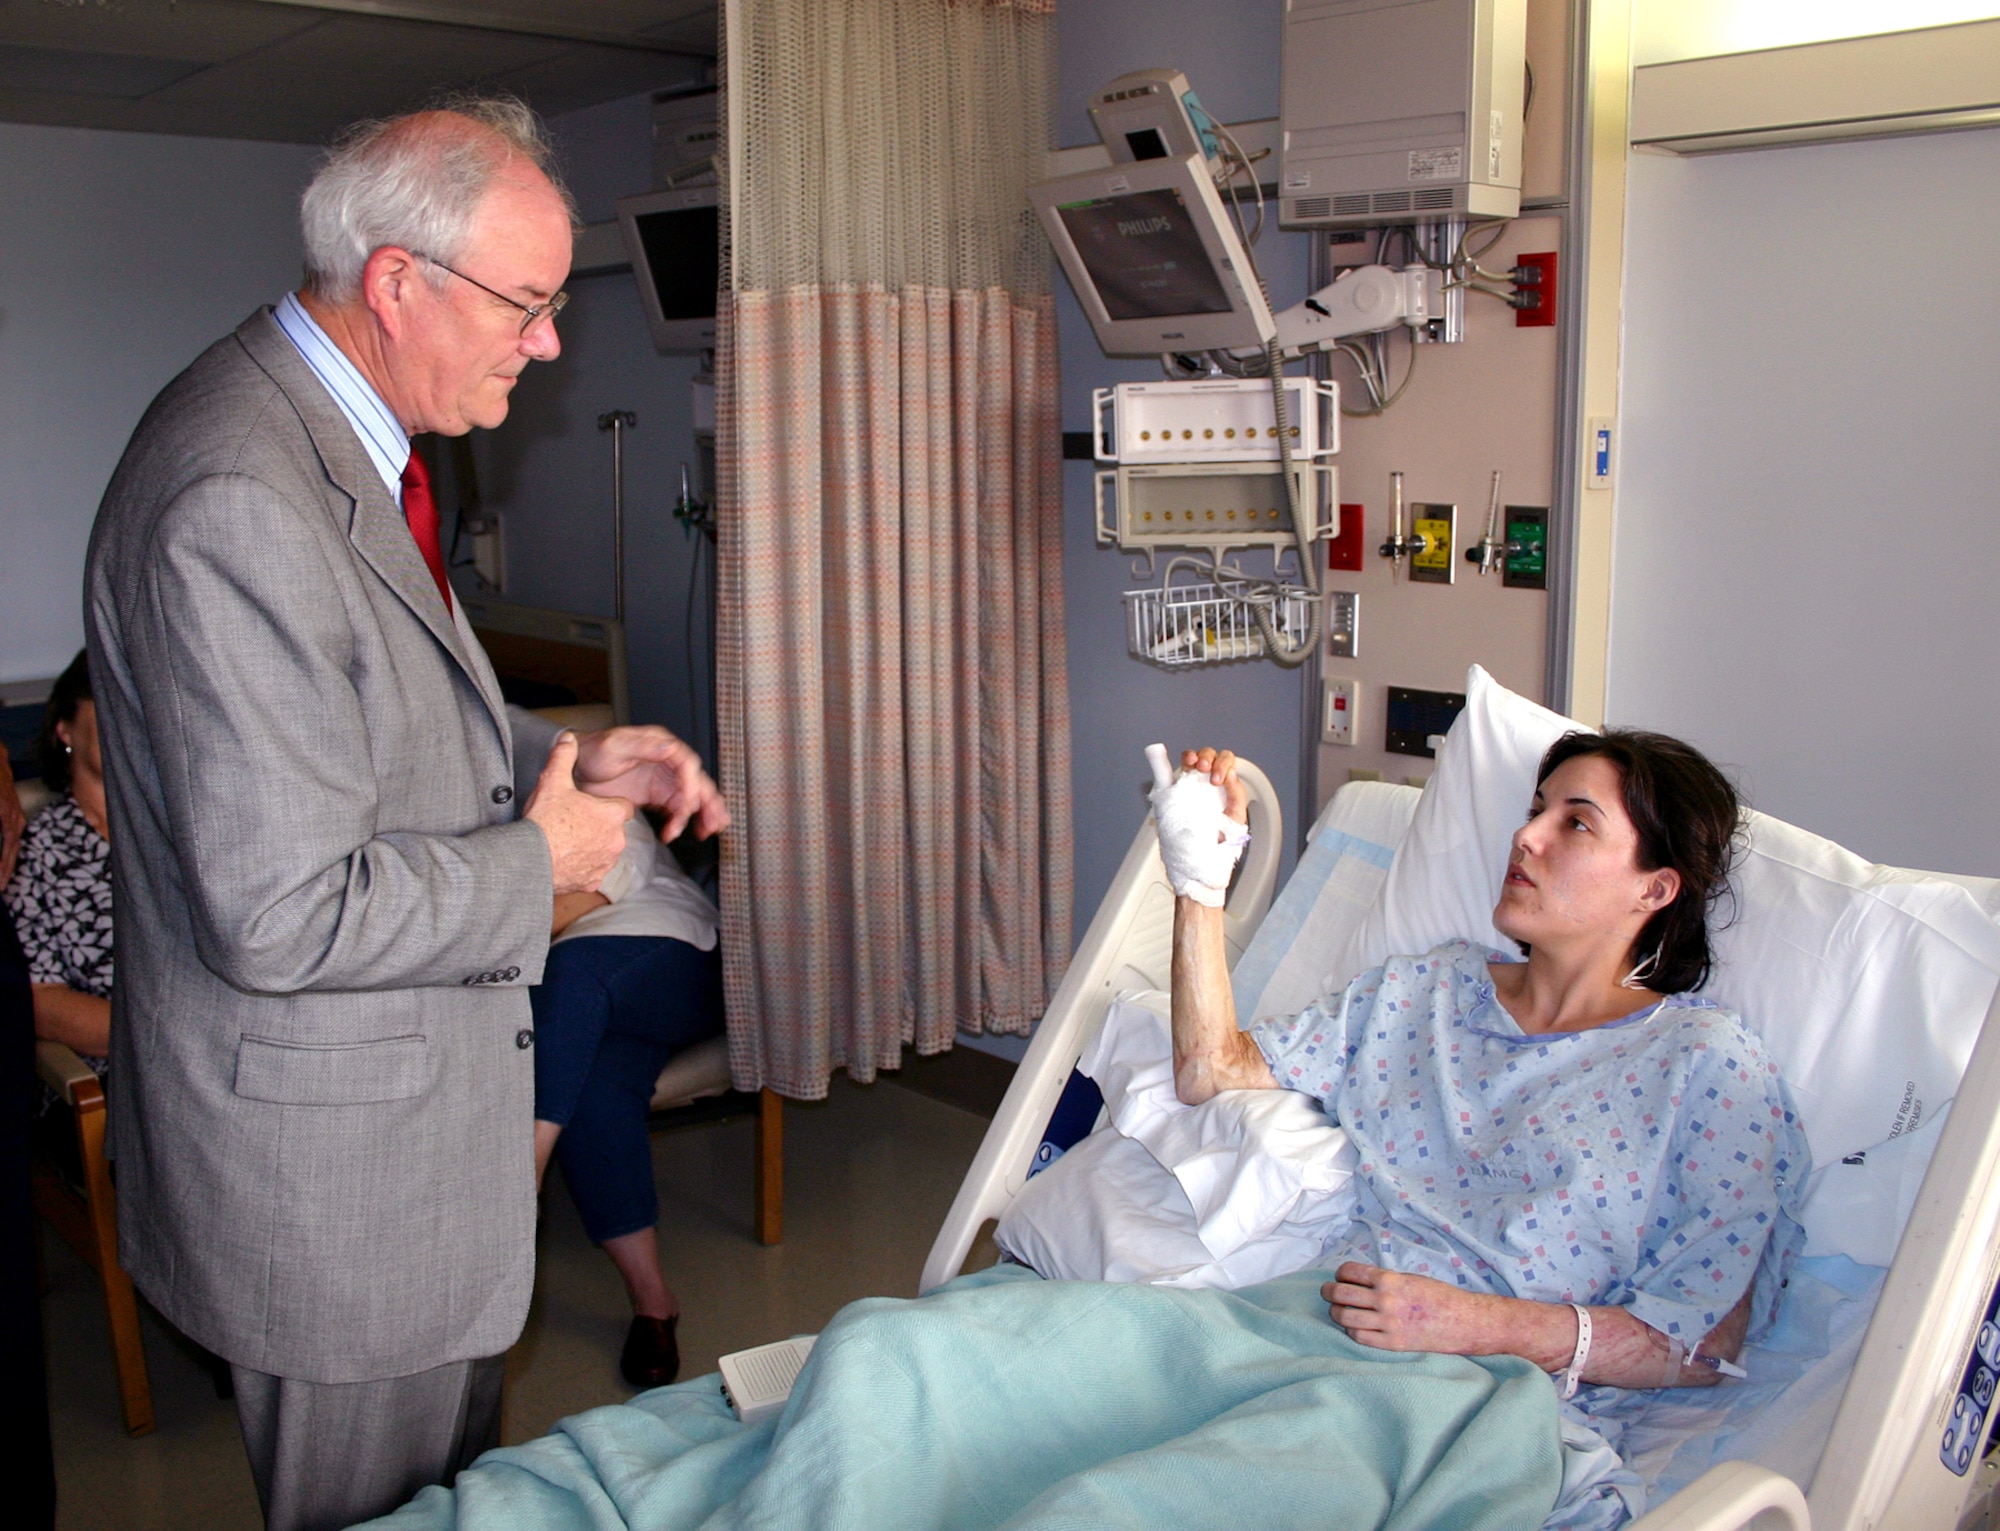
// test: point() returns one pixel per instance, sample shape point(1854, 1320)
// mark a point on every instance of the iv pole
point(618, 422)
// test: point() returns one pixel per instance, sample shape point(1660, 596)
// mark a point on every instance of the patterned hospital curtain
point(892, 693)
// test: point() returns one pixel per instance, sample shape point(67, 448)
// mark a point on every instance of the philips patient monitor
point(1154, 258)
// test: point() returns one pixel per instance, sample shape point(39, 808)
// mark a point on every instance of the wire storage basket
point(1181, 625)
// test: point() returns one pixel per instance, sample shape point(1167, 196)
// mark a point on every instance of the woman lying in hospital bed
point(1529, 1135)
point(1573, 1159)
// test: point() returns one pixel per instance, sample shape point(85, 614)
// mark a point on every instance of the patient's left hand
point(649, 766)
point(1388, 1310)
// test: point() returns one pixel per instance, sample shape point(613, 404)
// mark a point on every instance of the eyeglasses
point(528, 314)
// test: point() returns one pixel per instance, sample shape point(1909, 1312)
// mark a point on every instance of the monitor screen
point(681, 260)
point(1145, 255)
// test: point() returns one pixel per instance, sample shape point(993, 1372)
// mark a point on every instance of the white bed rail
point(1128, 946)
point(1732, 1496)
point(1882, 1466)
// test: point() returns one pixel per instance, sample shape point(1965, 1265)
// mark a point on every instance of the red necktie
point(421, 511)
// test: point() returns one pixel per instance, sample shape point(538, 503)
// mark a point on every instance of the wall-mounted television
point(675, 245)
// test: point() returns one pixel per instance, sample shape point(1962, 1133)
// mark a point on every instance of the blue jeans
point(609, 1012)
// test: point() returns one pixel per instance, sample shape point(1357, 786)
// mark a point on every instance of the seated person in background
point(1572, 1159)
point(60, 894)
point(12, 820)
point(633, 977)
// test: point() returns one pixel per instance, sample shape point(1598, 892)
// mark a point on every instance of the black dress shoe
point(652, 1357)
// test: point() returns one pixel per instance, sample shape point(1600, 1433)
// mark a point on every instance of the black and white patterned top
point(61, 902)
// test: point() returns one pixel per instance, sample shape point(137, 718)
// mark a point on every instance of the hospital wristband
point(1573, 1373)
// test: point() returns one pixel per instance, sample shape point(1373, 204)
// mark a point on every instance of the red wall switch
point(1344, 551)
point(1535, 313)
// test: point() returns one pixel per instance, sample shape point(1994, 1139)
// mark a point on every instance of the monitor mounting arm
point(1359, 301)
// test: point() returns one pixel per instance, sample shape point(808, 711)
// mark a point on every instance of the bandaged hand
point(1200, 842)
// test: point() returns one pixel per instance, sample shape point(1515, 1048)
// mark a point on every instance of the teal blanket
point(1005, 1400)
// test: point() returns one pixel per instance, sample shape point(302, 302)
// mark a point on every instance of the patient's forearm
point(1394, 1311)
point(1210, 1054)
point(81, 1022)
point(1624, 1351)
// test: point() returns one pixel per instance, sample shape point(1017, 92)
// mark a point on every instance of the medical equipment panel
point(1436, 525)
point(1153, 257)
point(1214, 420)
point(1527, 548)
point(1211, 505)
point(1343, 623)
point(674, 240)
point(1401, 112)
point(687, 129)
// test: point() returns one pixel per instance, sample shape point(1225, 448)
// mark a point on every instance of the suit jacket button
point(511, 974)
point(524, 1039)
point(503, 794)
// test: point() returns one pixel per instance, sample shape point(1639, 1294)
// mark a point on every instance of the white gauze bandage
point(1199, 842)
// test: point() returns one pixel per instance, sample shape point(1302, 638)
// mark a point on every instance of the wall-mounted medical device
point(1153, 114)
point(1214, 420)
point(1154, 259)
point(687, 130)
point(674, 241)
point(1400, 112)
point(1199, 464)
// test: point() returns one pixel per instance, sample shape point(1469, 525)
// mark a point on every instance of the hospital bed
point(1911, 1399)
point(1870, 1401)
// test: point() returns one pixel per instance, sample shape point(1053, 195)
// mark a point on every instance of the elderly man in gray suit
point(336, 848)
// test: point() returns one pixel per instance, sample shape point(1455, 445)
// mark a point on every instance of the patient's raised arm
point(1210, 1054)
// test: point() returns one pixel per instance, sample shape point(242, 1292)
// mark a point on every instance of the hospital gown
point(1654, 1163)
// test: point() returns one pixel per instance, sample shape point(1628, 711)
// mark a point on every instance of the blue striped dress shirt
point(381, 432)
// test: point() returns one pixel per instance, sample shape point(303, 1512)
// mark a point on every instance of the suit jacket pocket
point(348, 1074)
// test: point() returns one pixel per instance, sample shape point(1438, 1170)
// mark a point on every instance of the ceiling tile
point(291, 74)
point(70, 71)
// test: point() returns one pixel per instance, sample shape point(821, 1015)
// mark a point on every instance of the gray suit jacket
point(328, 911)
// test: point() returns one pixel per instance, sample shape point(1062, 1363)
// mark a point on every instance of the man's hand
point(650, 767)
point(586, 832)
point(12, 820)
point(1388, 1310)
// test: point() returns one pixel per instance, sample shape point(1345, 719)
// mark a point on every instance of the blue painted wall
point(1118, 704)
point(547, 471)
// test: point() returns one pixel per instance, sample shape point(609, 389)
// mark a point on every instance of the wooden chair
point(700, 1076)
point(87, 1219)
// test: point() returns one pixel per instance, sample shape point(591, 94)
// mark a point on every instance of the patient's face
point(1574, 872)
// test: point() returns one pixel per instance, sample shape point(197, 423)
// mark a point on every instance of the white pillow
point(1868, 983)
point(1247, 1186)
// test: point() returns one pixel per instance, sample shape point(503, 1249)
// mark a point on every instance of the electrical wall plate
point(1437, 564)
point(1600, 444)
point(1337, 710)
point(1343, 624)
point(1414, 718)
point(1527, 528)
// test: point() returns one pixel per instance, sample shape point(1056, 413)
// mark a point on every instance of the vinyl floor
point(870, 1173)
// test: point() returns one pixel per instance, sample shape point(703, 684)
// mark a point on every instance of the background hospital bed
point(1881, 1466)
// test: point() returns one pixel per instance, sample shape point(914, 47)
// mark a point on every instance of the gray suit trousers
point(328, 1454)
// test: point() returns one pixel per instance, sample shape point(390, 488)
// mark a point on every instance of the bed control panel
point(1973, 1407)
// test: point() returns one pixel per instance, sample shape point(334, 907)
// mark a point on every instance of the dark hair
point(71, 690)
point(1688, 817)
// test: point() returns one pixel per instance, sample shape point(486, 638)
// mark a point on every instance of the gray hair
point(416, 182)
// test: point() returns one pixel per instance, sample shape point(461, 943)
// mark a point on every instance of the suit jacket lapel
point(376, 528)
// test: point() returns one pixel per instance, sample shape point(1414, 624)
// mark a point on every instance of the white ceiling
point(295, 71)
